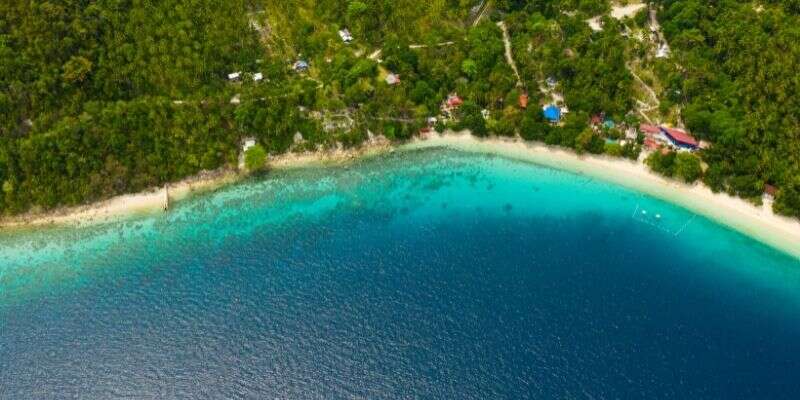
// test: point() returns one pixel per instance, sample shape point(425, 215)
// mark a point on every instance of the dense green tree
point(687, 167)
point(255, 158)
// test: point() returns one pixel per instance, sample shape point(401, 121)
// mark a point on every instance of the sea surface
point(429, 274)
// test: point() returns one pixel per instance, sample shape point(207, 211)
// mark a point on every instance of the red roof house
point(680, 138)
point(454, 101)
point(649, 129)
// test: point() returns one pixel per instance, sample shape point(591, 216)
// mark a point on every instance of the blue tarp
point(552, 113)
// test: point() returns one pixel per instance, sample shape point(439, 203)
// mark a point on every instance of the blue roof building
point(300, 66)
point(552, 113)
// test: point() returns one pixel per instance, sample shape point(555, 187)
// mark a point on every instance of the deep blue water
point(424, 275)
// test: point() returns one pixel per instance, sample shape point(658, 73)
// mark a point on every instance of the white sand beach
point(757, 222)
point(158, 199)
point(154, 200)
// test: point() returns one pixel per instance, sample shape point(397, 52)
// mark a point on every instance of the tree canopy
point(107, 97)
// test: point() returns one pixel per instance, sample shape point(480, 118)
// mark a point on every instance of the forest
point(99, 98)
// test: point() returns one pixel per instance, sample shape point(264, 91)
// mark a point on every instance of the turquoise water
point(425, 274)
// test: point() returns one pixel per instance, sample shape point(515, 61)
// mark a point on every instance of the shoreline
point(147, 202)
point(759, 223)
point(155, 200)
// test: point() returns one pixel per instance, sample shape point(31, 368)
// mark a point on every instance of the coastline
point(146, 202)
point(759, 223)
point(156, 200)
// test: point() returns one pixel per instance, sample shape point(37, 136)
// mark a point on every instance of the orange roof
point(523, 101)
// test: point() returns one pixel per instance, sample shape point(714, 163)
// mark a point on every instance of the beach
point(150, 201)
point(758, 222)
point(158, 199)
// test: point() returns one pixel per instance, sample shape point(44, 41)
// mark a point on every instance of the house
point(485, 113)
point(258, 77)
point(596, 119)
point(345, 35)
point(648, 129)
point(523, 101)
point(248, 143)
point(595, 24)
point(235, 76)
point(651, 144)
point(680, 139)
point(654, 134)
point(453, 101)
point(300, 66)
point(631, 133)
point(393, 79)
point(770, 192)
point(653, 137)
point(662, 51)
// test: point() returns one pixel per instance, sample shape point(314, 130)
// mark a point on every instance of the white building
point(662, 51)
point(345, 35)
point(258, 77)
point(235, 76)
point(248, 143)
point(393, 79)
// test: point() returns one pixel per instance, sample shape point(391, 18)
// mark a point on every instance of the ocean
point(427, 274)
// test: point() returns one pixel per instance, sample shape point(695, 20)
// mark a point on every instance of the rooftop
point(454, 101)
point(523, 101)
point(552, 113)
point(393, 79)
point(345, 35)
point(681, 136)
point(647, 128)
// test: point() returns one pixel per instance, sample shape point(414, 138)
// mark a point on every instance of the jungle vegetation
point(99, 98)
